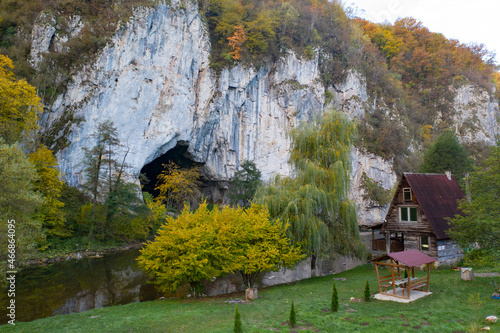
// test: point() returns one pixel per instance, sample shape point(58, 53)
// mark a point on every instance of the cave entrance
point(178, 155)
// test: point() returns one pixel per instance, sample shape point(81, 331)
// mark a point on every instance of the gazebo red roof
point(411, 258)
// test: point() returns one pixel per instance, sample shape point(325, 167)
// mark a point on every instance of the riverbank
point(448, 309)
point(96, 251)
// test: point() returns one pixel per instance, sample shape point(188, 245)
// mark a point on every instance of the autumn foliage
point(237, 41)
point(176, 185)
point(204, 244)
point(20, 106)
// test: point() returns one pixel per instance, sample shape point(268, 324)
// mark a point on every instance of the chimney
point(448, 174)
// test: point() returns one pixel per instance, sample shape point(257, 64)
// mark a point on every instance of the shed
point(403, 261)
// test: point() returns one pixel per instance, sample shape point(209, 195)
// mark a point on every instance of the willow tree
point(315, 200)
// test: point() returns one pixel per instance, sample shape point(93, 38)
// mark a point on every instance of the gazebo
point(399, 262)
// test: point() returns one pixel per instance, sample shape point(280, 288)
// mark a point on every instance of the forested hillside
point(409, 70)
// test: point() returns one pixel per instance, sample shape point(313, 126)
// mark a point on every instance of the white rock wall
point(476, 115)
point(154, 82)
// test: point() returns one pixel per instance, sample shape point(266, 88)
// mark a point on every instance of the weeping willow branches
point(314, 201)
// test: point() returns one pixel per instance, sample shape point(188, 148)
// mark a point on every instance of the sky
point(469, 21)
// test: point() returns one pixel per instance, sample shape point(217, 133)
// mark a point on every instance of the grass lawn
point(450, 308)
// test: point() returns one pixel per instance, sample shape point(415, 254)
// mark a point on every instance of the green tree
point(447, 154)
point(374, 192)
point(96, 161)
point(244, 184)
point(116, 211)
point(315, 201)
point(480, 223)
point(20, 106)
point(207, 243)
point(19, 201)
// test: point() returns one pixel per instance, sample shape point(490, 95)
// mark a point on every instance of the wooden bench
point(417, 284)
point(386, 281)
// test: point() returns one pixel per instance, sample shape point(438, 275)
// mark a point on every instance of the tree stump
point(467, 274)
point(251, 293)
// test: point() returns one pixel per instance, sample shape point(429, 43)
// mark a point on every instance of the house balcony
point(379, 245)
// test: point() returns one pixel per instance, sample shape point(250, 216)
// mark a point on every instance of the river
point(79, 285)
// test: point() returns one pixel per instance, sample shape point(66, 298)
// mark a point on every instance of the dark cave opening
point(178, 155)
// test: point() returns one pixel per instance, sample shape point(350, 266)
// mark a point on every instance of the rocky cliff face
point(476, 115)
point(154, 82)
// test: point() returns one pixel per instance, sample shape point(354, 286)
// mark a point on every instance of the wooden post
point(388, 241)
point(428, 276)
point(251, 293)
point(408, 285)
point(393, 286)
point(378, 278)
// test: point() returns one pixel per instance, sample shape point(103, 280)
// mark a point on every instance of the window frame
point(407, 190)
point(408, 213)
point(427, 246)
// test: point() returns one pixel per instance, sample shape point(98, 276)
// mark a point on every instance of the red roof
point(411, 258)
point(438, 197)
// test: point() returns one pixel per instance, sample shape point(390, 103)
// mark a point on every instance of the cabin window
point(424, 243)
point(408, 214)
point(407, 194)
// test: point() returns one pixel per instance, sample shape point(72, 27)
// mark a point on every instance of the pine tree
point(335, 299)
point(292, 320)
point(244, 184)
point(237, 321)
point(98, 159)
point(447, 154)
point(367, 292)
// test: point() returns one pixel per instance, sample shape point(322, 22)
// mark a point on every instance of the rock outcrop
point(155, 83)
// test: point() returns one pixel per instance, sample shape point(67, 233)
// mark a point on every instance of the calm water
point(79, 285)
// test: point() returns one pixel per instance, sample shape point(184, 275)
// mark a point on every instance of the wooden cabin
point(417, 216)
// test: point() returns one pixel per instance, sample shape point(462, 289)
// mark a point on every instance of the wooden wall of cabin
point(413, 242)
point(394, 224)
point(449, 251)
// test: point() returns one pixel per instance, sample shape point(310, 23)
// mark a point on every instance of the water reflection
point(76, 286)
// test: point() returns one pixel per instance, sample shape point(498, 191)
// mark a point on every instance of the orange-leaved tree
point(236, 41)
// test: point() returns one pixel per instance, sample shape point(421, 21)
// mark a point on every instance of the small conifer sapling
point(292, 316)
point(237, 321)
point(367, 292)
point(335, 299)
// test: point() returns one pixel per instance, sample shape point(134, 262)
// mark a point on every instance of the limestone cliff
point(155, 83)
